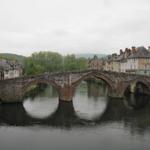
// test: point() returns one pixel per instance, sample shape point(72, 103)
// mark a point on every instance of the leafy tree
point(41, 62)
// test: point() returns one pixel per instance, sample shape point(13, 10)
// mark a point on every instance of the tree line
point(41, 62)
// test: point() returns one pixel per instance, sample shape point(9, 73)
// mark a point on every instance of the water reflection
point(65, 116)
point(44, 103)
point(91, 121)
point(41, 102)
point(93, 106)
point(40, 108)
point(82, 112)
point(136, 101)
point(88, 108)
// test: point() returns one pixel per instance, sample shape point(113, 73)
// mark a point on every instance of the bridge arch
point(135, 84)
point(41, 81)
point(92, 75)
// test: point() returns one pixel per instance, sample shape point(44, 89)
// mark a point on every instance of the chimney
point(133, 49)
point(126, 52)
point(121, 51)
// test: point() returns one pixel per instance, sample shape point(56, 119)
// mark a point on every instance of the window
point(6, 71)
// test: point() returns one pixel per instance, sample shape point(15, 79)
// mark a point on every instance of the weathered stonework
point(13, 90)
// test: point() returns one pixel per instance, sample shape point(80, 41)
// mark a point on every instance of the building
point(139, 61)
point(134, 60)
point(123, 59)
point(115, 63)
point(96, 63)
point(10, 69)
point(112, 63)
point(107, 63)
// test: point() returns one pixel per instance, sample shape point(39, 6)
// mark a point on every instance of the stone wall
point(12, 90)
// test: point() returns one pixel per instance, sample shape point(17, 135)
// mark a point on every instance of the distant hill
point(21, 58)
point(90, 55)
point(10, 56)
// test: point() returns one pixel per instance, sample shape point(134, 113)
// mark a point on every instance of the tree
point(41, 62)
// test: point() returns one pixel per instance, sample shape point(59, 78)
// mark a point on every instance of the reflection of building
point(96, 63)
point(9, 69)
point(96, 88)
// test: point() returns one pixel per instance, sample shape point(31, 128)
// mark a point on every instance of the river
point(91, 121)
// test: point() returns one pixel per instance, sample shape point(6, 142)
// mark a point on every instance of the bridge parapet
point(12, 90)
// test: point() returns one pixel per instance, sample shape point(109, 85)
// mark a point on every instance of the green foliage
point(31, 68)
point(73, 63)
point(51, 62)
point(12, 57)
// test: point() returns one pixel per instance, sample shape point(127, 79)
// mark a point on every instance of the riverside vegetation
point(40, 62)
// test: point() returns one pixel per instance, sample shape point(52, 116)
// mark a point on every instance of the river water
point(92, 121)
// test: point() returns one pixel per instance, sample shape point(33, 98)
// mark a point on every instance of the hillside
point(90, 55)
point(10, 56)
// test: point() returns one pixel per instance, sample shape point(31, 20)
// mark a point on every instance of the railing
point(75, 72)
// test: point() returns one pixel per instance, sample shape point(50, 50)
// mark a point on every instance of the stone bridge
point(13, 90)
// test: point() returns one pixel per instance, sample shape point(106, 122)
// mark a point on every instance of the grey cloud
point(69, 26)
point(61, 32)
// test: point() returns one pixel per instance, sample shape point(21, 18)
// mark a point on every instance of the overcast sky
point(73, 26)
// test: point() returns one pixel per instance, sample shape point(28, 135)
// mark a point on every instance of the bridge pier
point(66, 93)
point(11, 93)
point(12, 90)
point(115, 93)
point(118, 91)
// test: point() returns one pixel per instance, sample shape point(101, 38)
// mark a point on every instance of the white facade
point(129, 64)
point(132, 64)
point(107, 66)
point(116, 66)
point(10, 69)
point(12, 74)
point(123, 66)
point(136, 60)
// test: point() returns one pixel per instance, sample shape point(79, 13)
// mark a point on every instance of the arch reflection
point(44, 110)
point(90, 100)
point(65, 116)
point(89, 108)
point(136, 101)
point(41, 101)
point(40, 108)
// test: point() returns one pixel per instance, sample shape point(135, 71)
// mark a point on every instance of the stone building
point(96, 63)
point(123, 59)
point(108, 63)
point(139, 61)
point(10, 69)
point(115, 63)
point(112, 63)
point(134, 60)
